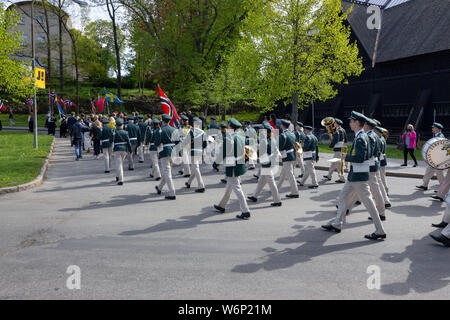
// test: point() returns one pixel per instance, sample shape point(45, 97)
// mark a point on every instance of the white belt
point(168, 145)
point(120, 143)
point(383, 156)
point(371, 161)
point(289, 151)
point(229, 161)
point(361, 167)
point(104, 140)
point(307, 154)
point(340, 144)
point(152, 144)
point(133, 138)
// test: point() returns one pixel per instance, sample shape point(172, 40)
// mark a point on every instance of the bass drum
point(436, 152)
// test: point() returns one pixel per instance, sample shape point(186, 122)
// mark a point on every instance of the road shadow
point(427, 272)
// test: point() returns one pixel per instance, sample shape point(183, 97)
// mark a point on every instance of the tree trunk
point(49, 44)
point(294, 111)
point(61, 56)
point(112, 14)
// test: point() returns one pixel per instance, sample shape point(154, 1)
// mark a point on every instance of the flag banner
point(68, 103)
point(168, 108)
point(29, 102)
point(110, 97)
point(52, 95)
point(94, 110)
point(61, 112)
point(100, 104)
point(2, 106)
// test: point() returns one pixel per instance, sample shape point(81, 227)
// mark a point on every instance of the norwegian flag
point(29, 101)
point(52, 95)
point(94, 110)
point(168, 108)
point(68, 103)
point(2, 106)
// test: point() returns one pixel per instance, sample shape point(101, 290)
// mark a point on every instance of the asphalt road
point(130, 243)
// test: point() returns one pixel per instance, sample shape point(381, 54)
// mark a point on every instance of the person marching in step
point(268, 157)
point(220, 138)
point(142, 130)
point(444, 236)
point(358, 180)
point(286, 146)
point(299, 137)
point(184, 131)
point(121, 147)
point(430, 172)
point(106, 140)
point(310, 156)
point(381, 174)
point(339, 138)
point(134, 135)
point(196, 140)
point(250, 140)
point(212, 124)
point(152, 135)
point(234, 162)
point(443, 189)
point(164, 142)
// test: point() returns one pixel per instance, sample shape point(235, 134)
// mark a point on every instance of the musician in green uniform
point(122, 147)
point(152, 133)
point(358, 180)
point(250, 141)
point(220, 138)
point(185, 153)
point(339, 138)
point(381, 174)
point(430, 172)
point(106, 140)
point(286, 146)
point(234, 162)
point(134, 135)
point(197, 141)
point(212, 124)
point(142, 130)
point(165, 142)
point(310, 157)
point(300, 138)
point(268, 157)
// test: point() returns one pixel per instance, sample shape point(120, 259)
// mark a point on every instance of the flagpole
point(35, 129)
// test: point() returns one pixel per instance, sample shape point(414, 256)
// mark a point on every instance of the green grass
point(391, 152)
point(21, 120)
point(19, 161)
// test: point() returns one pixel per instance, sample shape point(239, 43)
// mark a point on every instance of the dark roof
point(410, 28)
point(385, 4)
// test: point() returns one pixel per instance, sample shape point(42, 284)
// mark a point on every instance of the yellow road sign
point(39, 74)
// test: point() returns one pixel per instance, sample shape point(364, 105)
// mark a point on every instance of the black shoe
point(442, 239)
point(292, 196)
point(313, 187)
point(120, 183)
point(339, 181)
point(357, 203)
point(256, 176)
point(387, 205)
point(329, 227)
point(171, 197)
point(435, 191)
point(403, 165)
point(244, 216)
point(252, 198)
point(415, 165)
point(130, 169)
point(180, 172)
point(157, 190)
point(326, 177)
point(251, 168)
point(151, 176)
point(187, 175)
point(223, 180)
point(382, 218)
point(422, 188)
point(187, 185)
point(106, 171)
point(300, 176)
point(375, 236)
point(347, 212)
point(117, 178)
point(276, 204)
point(157, 179)
point(201, 190)
point(300, 184)
point(216, 169)
point(437, 198)
point(220, 209)
point(442, 224)
point(141, 161)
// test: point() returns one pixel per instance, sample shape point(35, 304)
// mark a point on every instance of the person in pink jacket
point(409, 145)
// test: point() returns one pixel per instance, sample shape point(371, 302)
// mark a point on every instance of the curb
point(36, 182)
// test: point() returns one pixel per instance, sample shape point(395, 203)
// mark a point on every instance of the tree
point(13, 72)
point(298, 50)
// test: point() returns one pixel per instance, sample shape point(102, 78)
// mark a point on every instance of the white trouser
point(287, 171)
point(359, 189)
point(107, 154)
point(446, 230)
point(376, 195)
point(119, 157)
point(131, 156)
point(335, 166)
point(195, 173)
point(155, 164)
point(310, 172)
point(382, 188)
point(234, 183)
point(444, 187)
point(300, 163)
point(383, 178)
point(429, 173)
point(264, 179)
point(186, 161)
point(166, 167)
point(140, 151)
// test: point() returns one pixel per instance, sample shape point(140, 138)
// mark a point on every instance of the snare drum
point(436, 153)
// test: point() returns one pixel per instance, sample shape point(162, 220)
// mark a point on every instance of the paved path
point(130, 243)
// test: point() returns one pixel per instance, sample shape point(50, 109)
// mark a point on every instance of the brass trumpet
point(185, 130)
point(328, 124)
point(298, 148)
point(385, 133)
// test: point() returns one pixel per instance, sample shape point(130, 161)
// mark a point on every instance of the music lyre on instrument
point(436, 153)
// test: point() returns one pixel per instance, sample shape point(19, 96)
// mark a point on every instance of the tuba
point(385, 134)
point(328, 124)
point(298, 148)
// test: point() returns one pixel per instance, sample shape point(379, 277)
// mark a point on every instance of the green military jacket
point(133, 133)
point(383, 160)
point(198, 142)
point(267, 144)
point(152, 135)
point(168, 137)
point(310, 145)
point(212, 126)
point(338, 139)
point(122, 141)
point(106, 138)
point(375, 145)
point(239, 142)
point(286, 146)
point(300, 136)
point(142, 129)
point(359, 153)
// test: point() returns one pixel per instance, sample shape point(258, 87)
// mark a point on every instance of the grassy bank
point(19, 161)
point(21, 120)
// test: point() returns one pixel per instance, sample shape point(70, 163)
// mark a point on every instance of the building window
point(24, 40)
point(396, 111)
point(442, 109)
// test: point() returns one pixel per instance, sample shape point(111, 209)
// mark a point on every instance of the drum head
point(437, 154)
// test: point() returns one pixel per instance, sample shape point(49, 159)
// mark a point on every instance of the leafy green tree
point(13, 72)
